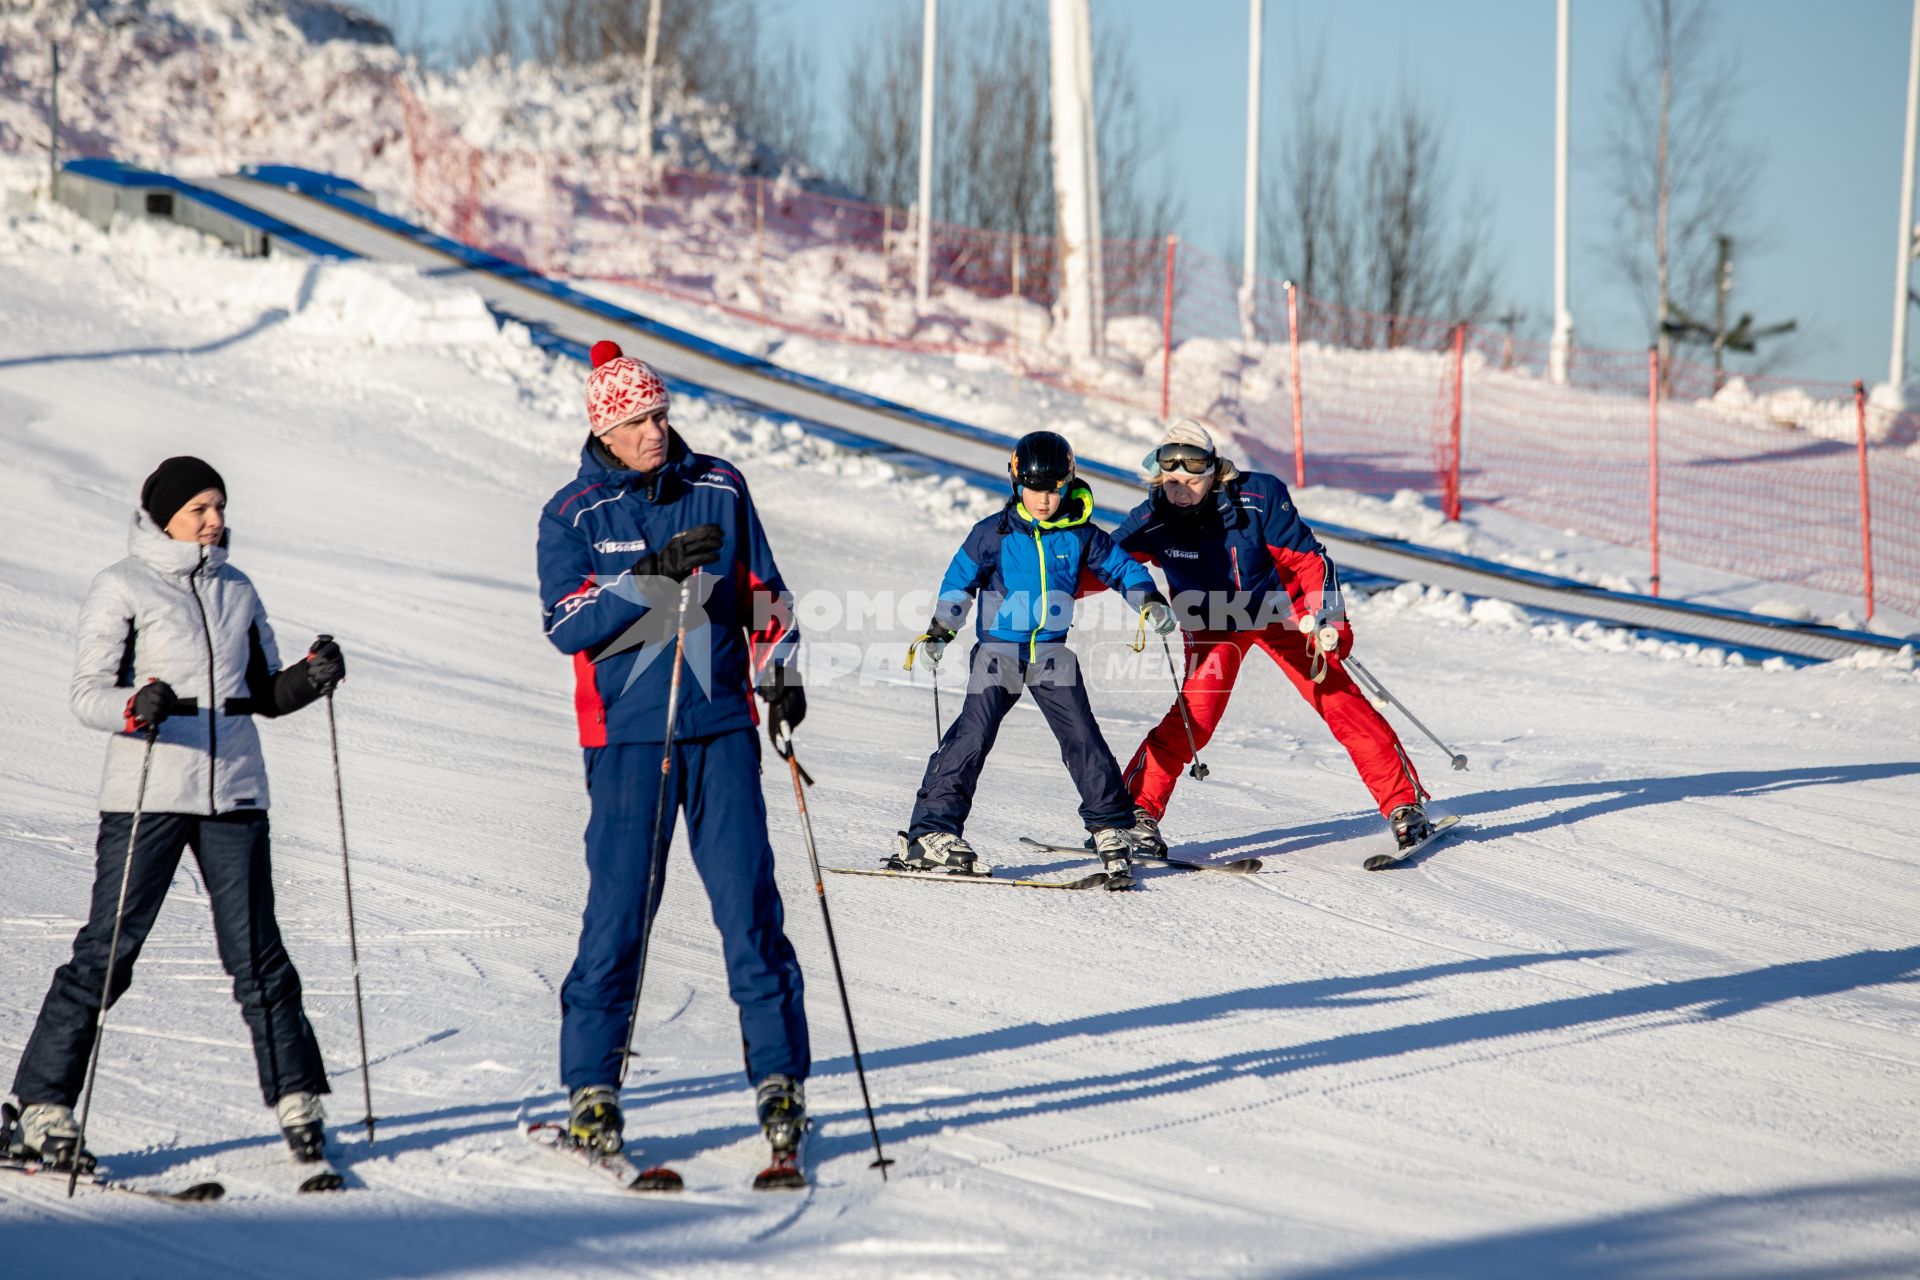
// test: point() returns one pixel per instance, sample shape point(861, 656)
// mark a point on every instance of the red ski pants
point(1213, 664)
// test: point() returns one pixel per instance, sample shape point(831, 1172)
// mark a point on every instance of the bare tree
point(497, 35)
point(715, 49)
point(995, 168)
point(993, 152)
point(1679, 178)
point(1305, 229)
point(1137, 198)
point(1419, 258)
point(879, 156)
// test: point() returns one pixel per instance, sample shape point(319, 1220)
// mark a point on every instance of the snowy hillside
point(1653, 1014)
point(201, 86)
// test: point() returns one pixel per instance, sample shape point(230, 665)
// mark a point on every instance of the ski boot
point(303, 1122)
point(1115, 851)
point(782, 1104)
point(940, 852)
point(1145, 835)
point(594, 1120)
point(47, 1133)
point(1410, 826)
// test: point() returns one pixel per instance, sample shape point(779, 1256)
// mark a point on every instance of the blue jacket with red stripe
point(1240, 559)
point(1031, 572)
point(620, 630)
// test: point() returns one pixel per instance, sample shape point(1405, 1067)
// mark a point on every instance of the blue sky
point(1823, 85)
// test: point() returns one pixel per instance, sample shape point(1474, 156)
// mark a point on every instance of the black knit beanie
point(174, 483)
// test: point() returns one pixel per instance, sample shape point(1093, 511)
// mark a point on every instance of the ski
point(1094, 881)
point(1384, 861)
point(198, 1193)
point(784, 1172)
point(320, 1175)
point(617, 1169)
point(1238, 867)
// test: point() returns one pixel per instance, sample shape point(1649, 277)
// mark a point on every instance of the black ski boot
point(594, 1120)
point(1116, 856)
point(1146, 835)
point(303, 1122)
point(940, 852)
point(1410, 825)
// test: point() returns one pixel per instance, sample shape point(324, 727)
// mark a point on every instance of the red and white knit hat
point(620, 389)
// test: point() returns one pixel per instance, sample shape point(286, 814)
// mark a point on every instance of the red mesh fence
point(1758, 477)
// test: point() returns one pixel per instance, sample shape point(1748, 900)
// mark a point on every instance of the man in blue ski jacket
point(1027, 564)
point(652, 541)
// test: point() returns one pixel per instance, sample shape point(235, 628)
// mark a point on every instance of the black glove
point(934, 643)
point(154, 703)
point(786, 702)
point(686, 551)
point(326, 665)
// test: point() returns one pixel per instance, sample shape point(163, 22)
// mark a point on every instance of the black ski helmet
point(1041, 460)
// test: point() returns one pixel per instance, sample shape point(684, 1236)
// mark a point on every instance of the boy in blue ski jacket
point(652, 540)
point(1027, 563)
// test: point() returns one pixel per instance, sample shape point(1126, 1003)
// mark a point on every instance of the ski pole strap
point(783, 747)
point(1139, 644)
point(914, 648)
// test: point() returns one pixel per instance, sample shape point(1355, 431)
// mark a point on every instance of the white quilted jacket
point(178, 612)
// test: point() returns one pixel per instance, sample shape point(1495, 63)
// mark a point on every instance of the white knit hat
point(1190, 431)
point(1187, 431)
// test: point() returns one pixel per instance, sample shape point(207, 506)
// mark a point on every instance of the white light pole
point(1076, 175)
point(646, 136)
point(1897, 366)
point(923, 263)
point(1255, 29)
point(1562, 346)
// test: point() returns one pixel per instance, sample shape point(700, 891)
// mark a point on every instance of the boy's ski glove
point(1159, 614)
point(686, 551)
point(933, 642)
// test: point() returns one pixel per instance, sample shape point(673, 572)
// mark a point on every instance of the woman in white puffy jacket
point(175, 657)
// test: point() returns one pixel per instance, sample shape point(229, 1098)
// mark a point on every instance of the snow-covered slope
point(202, 86)
point(1653, 1014)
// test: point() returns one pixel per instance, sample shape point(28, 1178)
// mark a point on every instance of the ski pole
point(800, 783)
point(659, 821)
point(1199, 771)
point(939, 734)
point(1371, 684)
point(113, 953)
point(353, 938)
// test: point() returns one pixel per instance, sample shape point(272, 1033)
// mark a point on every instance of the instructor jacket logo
point(608, 547)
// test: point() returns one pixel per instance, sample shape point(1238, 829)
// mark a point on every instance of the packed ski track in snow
point(1650, 1012)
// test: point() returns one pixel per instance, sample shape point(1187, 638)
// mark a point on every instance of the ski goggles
point(1045, 481)
point(1191, 459)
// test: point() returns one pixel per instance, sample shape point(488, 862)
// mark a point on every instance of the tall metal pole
point(646, 133)
point(1255, 27)
point(53, 130)
point(1562, 310)
point(923, 264)
point(1897, 365)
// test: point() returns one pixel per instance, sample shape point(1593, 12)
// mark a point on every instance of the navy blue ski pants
point(717, 781)
point(996, 674)
point(233, 852)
